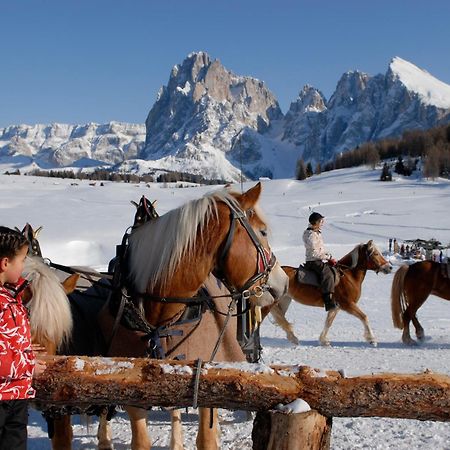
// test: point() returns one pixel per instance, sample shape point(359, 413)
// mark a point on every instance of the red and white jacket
point(17, 359)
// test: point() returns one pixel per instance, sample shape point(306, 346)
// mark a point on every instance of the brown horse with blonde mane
point(352, 268)
point(411, 286)
point(165, 263)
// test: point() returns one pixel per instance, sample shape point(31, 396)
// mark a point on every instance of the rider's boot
point(328, 301)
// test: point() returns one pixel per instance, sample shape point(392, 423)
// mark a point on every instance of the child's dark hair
point(11, 241)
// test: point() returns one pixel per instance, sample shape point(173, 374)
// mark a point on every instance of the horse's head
point(372, 259)
point(223, 233)
point(34, 249)
point(145, 211)
point(245, 259)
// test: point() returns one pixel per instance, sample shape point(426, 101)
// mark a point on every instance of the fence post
point(273, 430)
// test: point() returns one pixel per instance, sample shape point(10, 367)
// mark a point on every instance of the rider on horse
point(317, 260)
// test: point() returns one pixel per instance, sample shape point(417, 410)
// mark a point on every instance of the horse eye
point(264, 232)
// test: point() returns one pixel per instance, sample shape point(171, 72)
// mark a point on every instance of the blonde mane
point(50, 315)
point(156, 247)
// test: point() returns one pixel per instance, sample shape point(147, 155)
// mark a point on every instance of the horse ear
point(36, 232)
point(134, 203)
point(370, 244)
point(70, 283)
point(249, 198)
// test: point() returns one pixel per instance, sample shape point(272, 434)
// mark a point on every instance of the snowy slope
point(431, 90)
point(82, 225)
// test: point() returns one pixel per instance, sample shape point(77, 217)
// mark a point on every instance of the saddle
point(305, 276)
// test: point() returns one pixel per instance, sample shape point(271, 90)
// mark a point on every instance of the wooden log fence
point(79, 381)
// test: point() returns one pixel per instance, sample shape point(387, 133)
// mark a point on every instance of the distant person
point(390, 245)
point(395, 243)
point(441, 256)
point(17, 360)
point(318, 260)
point(402, 250)
point(408, 251)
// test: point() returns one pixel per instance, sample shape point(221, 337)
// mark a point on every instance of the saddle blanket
point(305, 276)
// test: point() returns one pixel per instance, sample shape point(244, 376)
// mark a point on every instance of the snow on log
point(78, 381)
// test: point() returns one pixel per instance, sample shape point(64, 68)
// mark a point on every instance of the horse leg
point(176, 438)
point(406, 336)
point(278, 312)
point(139, 434)
point(208, 437)
point(354, 310)
point(410, 315)
point(420, 332)
point(62, 434)
point(328, 321)
point(104, 433)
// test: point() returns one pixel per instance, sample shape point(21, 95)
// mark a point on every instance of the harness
point(124, 301)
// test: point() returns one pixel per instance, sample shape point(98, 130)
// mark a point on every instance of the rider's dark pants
point(325, 274)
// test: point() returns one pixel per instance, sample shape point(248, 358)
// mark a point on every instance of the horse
point(411, 286)
point(34, 248)
point(162, 266)
point(352, 268)
point(48, 305)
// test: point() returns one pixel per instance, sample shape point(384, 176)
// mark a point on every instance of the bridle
point(377, 266)
point(265, 262)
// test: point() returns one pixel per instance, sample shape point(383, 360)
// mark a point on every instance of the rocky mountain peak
point(430, 90)
point(309, 99)
point(349, 88)
point(205, 105)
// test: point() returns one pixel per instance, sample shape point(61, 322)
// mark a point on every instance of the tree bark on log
point(144, 382)
point(280, 431)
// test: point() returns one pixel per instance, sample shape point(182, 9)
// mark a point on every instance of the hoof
point(293, 338)
point(325, 343)
point(410, 342)
point(373, 343)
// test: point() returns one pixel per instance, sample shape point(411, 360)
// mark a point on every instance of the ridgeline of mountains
point(211, 122)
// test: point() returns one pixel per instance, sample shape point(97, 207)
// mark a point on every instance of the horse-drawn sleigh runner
point(156, 307)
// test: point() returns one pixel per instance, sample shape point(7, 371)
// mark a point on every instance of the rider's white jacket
point(314, 246)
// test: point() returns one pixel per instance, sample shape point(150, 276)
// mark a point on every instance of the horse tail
point(399, 301)
point(50, 313)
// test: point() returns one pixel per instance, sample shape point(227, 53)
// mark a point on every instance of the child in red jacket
point(17, 360)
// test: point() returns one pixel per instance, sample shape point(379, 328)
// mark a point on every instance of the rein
point(124, 297)
point(266, 260)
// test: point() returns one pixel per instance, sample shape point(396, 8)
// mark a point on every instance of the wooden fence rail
point(144, 382)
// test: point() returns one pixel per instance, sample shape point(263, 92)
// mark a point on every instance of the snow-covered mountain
point(209, 118)
point(59, 145)
point(212, 122)
point(365, 108)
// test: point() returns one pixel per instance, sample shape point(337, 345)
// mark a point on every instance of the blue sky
point(94, 60)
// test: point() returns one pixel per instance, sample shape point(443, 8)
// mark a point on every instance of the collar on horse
point(124, 297)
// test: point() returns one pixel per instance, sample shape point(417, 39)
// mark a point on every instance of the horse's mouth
point(386, 268)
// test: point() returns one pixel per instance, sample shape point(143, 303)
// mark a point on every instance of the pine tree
point(300, 173)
